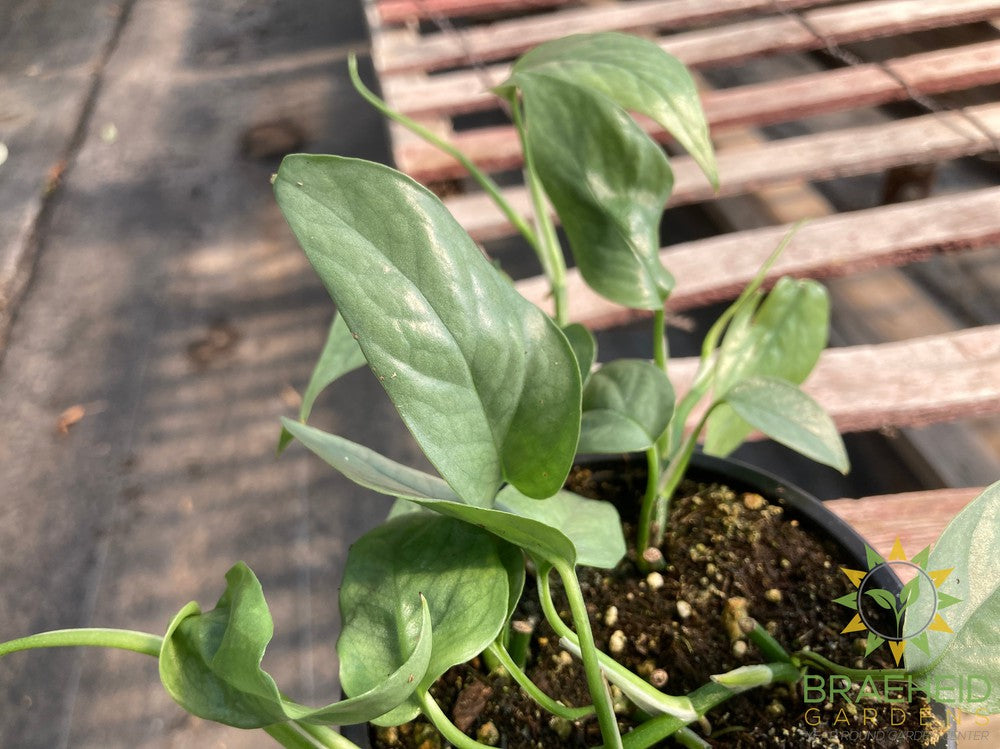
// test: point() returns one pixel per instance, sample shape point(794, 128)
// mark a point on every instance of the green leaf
point(787, 415)
point(636, 74)
point(369, 468)
point(883, 598)
point(379, 473)
point(210, 663)
point(607, 181)
point(969, 547)
point(626, 406)
point(462, 571)
point(784, 339)
point(593, 526)
point(584, 347)
point(341, 354)
point(484, 380)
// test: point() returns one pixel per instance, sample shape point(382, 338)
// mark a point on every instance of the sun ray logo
point(905, 617)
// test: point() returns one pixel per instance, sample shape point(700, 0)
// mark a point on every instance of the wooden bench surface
point(438, 75)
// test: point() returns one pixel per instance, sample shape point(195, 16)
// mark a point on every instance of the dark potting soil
point(728, 555)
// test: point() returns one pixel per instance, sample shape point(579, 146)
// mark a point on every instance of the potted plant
point(501, 398)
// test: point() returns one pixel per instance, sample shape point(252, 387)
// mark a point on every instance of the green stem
point(649, 504)
point(491, 187)
point(325, 736)
point(704, 698)
point(705, 375)
point(444, 726)
point(546, 702)
point(548, 249)
point(809, 658)
point(688, 738)
point(671, 479)
point(596, 683)
point(290, 737)
point(660, 339)
point(560, 628)
point(770, 648)
point(121, 639)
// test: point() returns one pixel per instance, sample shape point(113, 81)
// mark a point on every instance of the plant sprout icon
point(921, 587)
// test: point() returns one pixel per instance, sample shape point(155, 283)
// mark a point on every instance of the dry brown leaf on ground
point(69, 417)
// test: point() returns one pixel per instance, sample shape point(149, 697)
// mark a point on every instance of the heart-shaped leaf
point(787, 415)
point(607, 181)
point(341, 354)
point(783, 338)
point(964, 635)
point(593, 526)
point(210, 662)
point(636, 74)
point(584, 346)
point(627, 405)
point(484, 379)
point(462, 572)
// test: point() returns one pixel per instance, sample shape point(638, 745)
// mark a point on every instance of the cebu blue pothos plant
point(501, 396)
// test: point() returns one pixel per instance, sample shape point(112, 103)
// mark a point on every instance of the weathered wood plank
point(764, 103)
point(401, 11)
point(508, 38)
point(916, 518)
point(774, 101)
point(901, 384)
point(739, 41)
point(829, 246)
point(841, 153)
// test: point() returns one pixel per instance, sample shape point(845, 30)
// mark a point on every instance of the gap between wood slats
point(739, 41)
point(401, 11)
point(901, 384)
point(758, 104)
point(823, 156)
point(404, 52)
point(830, 246)
point(916, 518)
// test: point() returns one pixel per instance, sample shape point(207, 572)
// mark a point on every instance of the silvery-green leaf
point(460, 570)
point(787, 415)
point(210, 663)
point(484, 380)
point(608, 183)
point(637, 75)
point(593, 526)
point(627, 405)
point(784, 338)
point(966, 559)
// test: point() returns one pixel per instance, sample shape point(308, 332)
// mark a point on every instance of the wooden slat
point(901, 384)
point(401, 11)
point(774, 101)
point(508, 38)
point(829, 246)
point(916, 518)
point(848, 23)
point(759, 104)
point(823, 156)
point(468, 90)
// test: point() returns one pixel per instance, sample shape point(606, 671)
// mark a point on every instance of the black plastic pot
point(800, 504)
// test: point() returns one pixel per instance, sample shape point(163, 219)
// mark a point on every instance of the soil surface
point(728, 555)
